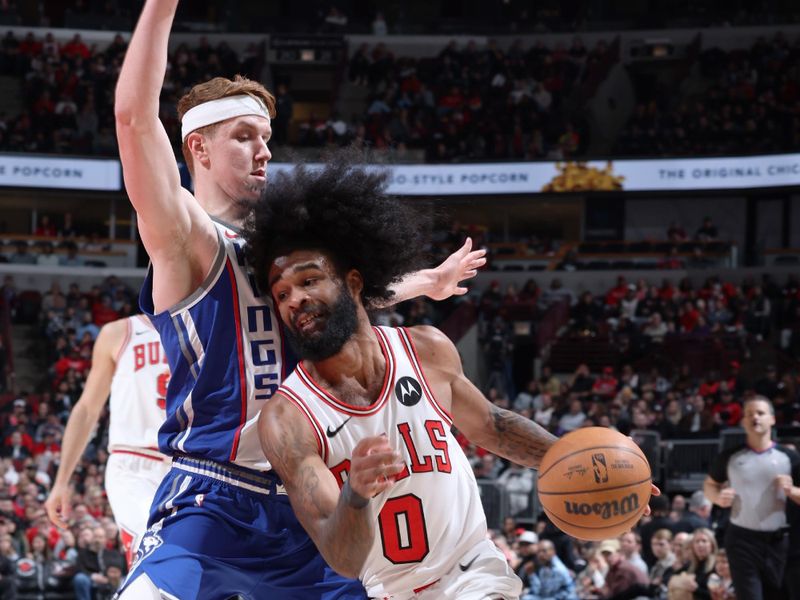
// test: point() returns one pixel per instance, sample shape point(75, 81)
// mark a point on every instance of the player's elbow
point(124, 108)
point(130, 114)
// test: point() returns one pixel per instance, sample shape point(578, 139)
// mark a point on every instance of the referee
point(755, 480)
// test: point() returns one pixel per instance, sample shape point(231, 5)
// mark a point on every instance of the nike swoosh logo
point(469, 564)
point(332, 432)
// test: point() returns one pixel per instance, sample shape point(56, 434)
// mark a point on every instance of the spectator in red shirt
point(30, 46)
point(73, 361)
point(103, 312)
point(48, 444)
point(606, 385)
point(41, 526)
point(709, 386)
point(75, 47)
point(667, 291)
point(688, 317)
point(726, 411)
point(617, 293)
point(45, 227)
point(672, 260)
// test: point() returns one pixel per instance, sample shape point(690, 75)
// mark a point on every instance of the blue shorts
point(216, 531)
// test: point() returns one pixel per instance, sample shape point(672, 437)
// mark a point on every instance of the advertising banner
point(657, 175)
point(19, 170)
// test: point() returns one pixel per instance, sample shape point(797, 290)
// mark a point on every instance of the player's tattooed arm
point(514, 437)
point(341, 530)
point(498, 430)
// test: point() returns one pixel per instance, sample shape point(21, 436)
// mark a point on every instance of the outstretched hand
point(460, 265)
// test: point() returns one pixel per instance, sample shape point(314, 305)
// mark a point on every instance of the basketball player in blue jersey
point(220, 524)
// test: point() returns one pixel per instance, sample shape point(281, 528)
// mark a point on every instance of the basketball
point(594, 483)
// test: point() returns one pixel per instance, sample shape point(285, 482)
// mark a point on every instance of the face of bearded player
point(314, 303)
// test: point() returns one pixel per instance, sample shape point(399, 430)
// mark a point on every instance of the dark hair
point(341, 209)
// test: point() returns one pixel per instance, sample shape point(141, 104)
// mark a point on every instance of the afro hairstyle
point(340, 208)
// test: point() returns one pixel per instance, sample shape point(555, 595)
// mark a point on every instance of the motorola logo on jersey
point(408, 391)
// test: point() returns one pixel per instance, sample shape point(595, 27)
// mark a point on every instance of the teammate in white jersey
point(128, 362)
point(361, 431)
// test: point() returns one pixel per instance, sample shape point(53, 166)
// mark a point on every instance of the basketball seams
point(638, 454)
point(597, 490)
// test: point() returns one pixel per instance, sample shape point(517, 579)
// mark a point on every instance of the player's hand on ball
point(726, 497)
point(374, 466)
point(654, 491)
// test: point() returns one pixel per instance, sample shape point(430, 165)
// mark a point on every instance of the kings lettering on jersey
point(225, 350)
point(260, 333)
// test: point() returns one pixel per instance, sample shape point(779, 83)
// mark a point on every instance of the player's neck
point(218, 204)
point(355, 374)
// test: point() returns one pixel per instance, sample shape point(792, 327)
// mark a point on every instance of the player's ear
point(355, 282)
point(197, 146)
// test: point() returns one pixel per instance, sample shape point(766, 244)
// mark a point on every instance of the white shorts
point(487, 576)
point(131, 483)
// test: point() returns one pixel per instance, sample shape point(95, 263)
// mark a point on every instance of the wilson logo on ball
point(600, 468)
point(604, 510)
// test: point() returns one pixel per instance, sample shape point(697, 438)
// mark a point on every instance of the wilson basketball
point(594, 483)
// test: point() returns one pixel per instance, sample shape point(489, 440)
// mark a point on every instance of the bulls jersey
point(138, 389)
point(226, 355)
point(433, 514)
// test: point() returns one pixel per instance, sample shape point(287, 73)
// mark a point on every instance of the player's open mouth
point(308, 321)
point(262, 173)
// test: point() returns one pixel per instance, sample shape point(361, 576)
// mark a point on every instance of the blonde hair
point(712, 556)
point(214, 89)
point(662, 534)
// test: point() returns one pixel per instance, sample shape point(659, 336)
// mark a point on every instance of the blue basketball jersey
point(227, 356)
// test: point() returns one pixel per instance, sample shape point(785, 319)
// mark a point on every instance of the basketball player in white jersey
point(129, 363)
point(360, 433)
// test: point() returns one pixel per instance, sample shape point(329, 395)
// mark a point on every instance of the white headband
point(215, 111)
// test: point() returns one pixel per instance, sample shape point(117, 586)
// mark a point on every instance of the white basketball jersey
point(138, 390)
point(433, 514)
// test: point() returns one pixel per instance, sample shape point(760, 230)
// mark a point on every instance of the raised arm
point(84, 416)
point(338, 522)
point(442, 282)
point(178, 235)
point(500, 431)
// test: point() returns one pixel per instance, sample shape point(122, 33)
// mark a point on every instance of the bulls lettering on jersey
point(138, 389)
point(227, 357)
point(433, 512)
